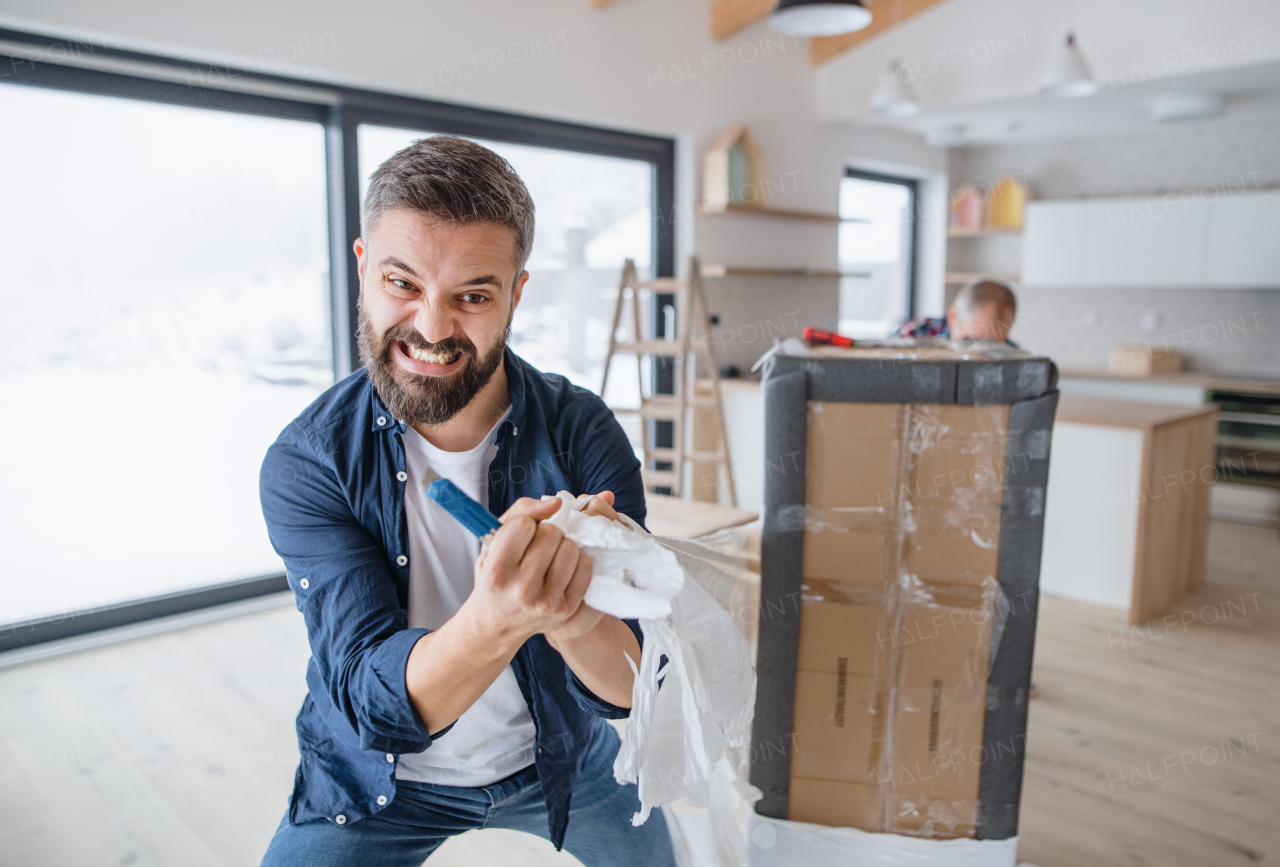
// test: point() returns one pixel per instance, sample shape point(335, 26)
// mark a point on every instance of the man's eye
point(401, 284)
point(475, 298)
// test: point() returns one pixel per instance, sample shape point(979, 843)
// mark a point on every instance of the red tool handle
point(814, 335)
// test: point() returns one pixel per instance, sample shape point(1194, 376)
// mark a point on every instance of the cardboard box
point(939, 704)
point(920, 507)
point(825, 802)
point(1143, 360)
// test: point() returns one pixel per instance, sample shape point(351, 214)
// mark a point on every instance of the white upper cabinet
point(1053, 244)
point(1133, 242)
point(1244, 241)
point(1171, 241)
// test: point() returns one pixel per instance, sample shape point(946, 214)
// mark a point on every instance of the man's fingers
point(538, 556)
point(580, 582)
point(538, 510)
point(602, 504)
point(561, 571)
point(510, 542)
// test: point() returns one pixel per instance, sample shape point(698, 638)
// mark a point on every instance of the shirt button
point(340, 819)
point(391, 758)
point(402, 476)
point(382, 799)
point(304, 583)
point(402, 560)
point(382, 421)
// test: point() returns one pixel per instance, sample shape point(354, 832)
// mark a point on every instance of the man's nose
point(433, 322)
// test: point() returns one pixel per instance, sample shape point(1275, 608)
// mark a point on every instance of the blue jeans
point(423, 815)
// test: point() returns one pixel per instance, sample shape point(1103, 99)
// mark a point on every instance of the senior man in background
point(983, 310)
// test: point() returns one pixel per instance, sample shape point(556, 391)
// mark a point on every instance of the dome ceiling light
point(819, 17)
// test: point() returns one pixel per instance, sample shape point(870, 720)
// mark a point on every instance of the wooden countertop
point(1117, 413)
point(689, 519)
point(1204, 380)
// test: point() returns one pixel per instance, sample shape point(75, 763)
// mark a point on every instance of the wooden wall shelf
point(738, 271)
point(781, 213)
point(985, 231)
point(955, 278)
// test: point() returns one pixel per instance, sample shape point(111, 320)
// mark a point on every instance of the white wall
point(973, 51)
point(642, 65)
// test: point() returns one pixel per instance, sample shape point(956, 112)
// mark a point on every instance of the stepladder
point(688, 456)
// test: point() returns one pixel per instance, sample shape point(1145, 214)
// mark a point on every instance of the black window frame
point(97, 69)
point(913, 198)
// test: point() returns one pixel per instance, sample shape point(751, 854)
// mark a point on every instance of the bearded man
point(450, 690)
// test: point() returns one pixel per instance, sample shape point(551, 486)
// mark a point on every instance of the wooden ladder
point(692, 392)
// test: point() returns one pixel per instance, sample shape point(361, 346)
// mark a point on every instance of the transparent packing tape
point(944, 642)
point(781, 843)
point(901, 615)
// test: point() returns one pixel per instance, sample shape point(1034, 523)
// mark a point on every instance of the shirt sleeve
point(344, 587)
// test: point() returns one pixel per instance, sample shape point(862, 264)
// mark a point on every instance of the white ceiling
point(1251, 92)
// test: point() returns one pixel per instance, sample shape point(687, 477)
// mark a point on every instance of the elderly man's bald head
point(984, 310)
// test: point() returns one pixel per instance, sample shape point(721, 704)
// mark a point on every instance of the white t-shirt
point(494, 738)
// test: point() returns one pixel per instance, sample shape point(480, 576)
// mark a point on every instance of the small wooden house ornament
point(733, 171)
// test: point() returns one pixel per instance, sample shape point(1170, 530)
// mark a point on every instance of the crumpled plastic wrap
point(780, 843)
point(676, 735)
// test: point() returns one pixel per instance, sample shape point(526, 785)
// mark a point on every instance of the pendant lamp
point(893, 96)
point(819, 17)
point(1068, 75)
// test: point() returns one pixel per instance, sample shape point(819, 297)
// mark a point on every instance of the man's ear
point(518, 290)
point(360, 251)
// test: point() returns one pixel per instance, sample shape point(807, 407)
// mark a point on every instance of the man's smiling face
point(436, 301)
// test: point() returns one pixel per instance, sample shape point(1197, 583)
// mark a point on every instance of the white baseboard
point(103, 637)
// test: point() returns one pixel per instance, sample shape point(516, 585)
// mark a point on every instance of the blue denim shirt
point(332, 492)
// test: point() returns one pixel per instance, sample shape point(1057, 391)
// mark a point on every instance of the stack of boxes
point(900, 554)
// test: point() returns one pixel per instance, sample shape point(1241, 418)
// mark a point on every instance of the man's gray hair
point(456, 180)
point(980, 293)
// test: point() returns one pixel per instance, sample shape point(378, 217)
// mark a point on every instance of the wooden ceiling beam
point(884, 15)
point(730, 16)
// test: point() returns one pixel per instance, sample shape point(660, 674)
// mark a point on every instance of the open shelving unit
point(733, 210)
point(981, 231)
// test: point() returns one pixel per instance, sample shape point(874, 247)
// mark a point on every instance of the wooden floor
point(1160, 746)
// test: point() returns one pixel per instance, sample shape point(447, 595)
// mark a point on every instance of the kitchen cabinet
point(1242, 249)
point(1127, 504)
point(1178, 240)
point(1053, 244)
point(1145, 242)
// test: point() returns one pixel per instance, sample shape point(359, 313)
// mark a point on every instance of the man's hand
point(585, 618)
point(602, 504)
point(596, 645)
point(531, 578)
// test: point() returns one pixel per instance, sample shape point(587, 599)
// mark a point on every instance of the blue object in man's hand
point(475, 517)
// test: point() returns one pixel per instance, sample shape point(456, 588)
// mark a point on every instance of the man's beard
point(417, 398)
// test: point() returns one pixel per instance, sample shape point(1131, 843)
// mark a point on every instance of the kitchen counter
point(1086, 410)
point(1207, 381)
point(1127, 504)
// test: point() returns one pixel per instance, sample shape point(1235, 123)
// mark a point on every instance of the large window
point(876, 253)
point(163, 275)
point(177, 282)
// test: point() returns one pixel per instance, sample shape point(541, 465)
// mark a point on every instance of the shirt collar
point(381, 419)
